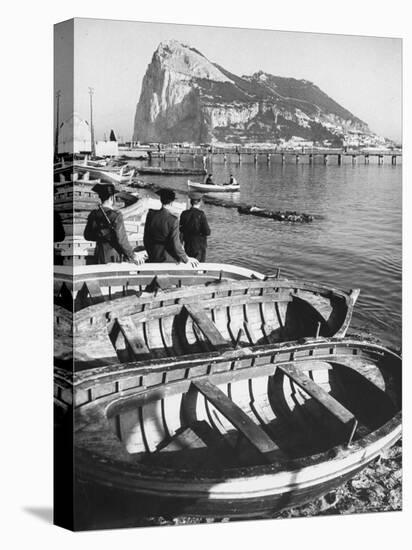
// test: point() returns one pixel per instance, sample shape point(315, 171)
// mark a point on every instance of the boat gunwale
point(78, 273)
point(88, 377)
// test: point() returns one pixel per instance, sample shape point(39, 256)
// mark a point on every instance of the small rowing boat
point(205, 187)
point(92, 284)
point(239, 434)
point(161, 171)
point(200, 318)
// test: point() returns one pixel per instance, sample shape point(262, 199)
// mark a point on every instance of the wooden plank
point(340, 412)
point(206, 325)
point(95, 291)
point(240, 420)
point(129, 332)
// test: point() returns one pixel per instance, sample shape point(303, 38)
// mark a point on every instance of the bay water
point(355, 240)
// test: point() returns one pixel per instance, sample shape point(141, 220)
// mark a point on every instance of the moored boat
point(114, 174)
point(241, 433)
point(206, 187)
point(200, 318)
point(159, 170)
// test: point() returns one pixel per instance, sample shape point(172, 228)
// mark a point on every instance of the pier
point(240, 154)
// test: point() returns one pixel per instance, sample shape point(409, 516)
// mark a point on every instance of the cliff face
point(185, 97)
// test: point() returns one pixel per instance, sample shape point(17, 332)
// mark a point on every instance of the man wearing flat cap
point(105, 226)
point(194, 229)
point(161, 234)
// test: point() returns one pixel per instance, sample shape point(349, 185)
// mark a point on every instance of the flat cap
point(195, 196)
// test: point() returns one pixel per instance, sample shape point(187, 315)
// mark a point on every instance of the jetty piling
point(310, 156)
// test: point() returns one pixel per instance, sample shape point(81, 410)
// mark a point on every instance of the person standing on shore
point(105, 226)
point(161, 234)
point(194, 229)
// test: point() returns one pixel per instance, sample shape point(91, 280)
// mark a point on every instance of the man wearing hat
point(161, 233)
point(195, 229)
point(105, 226)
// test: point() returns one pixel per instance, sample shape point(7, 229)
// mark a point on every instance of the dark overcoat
point(161, 237)
point(194, 230)
point(112, 244)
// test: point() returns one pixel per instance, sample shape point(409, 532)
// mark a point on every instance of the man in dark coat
point(194, 229)
point(161, 234)
point(105, 226)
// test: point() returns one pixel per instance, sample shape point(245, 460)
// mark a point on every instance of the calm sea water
point(355, 240)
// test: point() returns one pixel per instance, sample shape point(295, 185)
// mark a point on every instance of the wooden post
point(310, 158)
point(325, 159)
point(92, 142)
point(393, 160)
point(353, 159)
point(283, 158)
point(339, 159)
point(239, 157)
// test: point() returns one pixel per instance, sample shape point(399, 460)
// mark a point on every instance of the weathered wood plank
point(239, 419)
point(129, 332)
point(206, 325)
point(340, 412)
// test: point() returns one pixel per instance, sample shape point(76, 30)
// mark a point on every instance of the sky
point(363, 74)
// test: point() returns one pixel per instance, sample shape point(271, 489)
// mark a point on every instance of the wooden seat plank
point(129, 332)
point(239, 419)
point(206, 325)
point(337, 410)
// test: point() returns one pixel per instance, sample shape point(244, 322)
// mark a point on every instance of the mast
point(93, 145)
point(56, 138)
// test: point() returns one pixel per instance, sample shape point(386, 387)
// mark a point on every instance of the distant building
point(75, 137)
point(107, 148)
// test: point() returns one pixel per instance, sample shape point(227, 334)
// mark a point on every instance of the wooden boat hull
point(126, 417)
point(115, 175)
point(93, 284)
point(215, 315)
point(213, 188)
point(170, 171)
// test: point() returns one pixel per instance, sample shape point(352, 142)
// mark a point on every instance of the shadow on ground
point(43, 513)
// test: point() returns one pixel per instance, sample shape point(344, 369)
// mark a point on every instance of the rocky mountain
point(186, 97)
